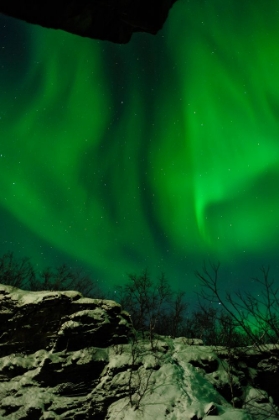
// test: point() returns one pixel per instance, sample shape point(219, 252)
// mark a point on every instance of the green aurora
point(158, 154)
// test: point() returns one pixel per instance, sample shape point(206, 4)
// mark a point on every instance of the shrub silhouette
point(252, 318)
point(20, 273)
point(214, 327)
point(236, 320)
point(153, 306)
point(65, 278)
point(16, 273)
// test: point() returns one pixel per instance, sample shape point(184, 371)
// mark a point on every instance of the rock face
point(110, 20)
point(58, 321)
point(63, 356)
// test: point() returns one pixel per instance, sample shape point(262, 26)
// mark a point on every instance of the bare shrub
point(21, 274)
point(251, 317)
point(66, 278)
point(153, 306)
point(16, 273)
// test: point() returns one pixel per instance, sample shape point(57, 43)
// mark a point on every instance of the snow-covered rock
point(63, 356)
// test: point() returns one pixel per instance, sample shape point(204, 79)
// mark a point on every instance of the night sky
point(159, 154)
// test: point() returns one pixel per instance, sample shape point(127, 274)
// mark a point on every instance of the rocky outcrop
point(64, 356)
point(58, 321)
point(110, 20)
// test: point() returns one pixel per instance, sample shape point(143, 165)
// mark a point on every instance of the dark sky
point(159, 154)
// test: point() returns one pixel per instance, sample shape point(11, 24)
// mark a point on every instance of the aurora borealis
point(158, 154)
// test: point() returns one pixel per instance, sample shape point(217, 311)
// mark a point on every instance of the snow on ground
point(161, 379)
point(176, 390)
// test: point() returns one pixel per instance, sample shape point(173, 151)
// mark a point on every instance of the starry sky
point(159, 154)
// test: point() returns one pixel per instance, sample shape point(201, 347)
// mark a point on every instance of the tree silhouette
point(255, 316)
point(16, 273)
point(20, 273)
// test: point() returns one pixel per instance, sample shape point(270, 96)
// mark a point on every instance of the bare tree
point(153, 306)
point(15, 272)
point(66, 278)
point(245, 319)
point(173, 321)
point(255, 316)
point(135, 297)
